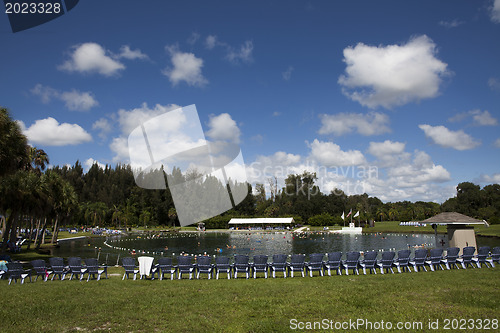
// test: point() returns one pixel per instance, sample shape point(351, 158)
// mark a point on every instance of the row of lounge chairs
point(298, 265)
point(56, 268)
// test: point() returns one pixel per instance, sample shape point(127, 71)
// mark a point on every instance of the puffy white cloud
point(210, 42)
point(50, 132)
point(103, 126)
point(372, 123)
point(480, 118)
point(223, 127)
point(442, 136)
point(127, 53)
point(90, 162)
point(91, 58)
point(495, 11)
point(329, 154)
point(388, 152)
point(243, 54)
point(491, 179)
point(392, 75)
point(287, 75)
point(74, 99)
point(186, 67)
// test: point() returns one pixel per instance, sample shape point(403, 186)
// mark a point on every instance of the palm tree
point(13, 146)
point(37, 160)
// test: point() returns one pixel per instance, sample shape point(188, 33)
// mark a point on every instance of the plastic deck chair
point(387, 262)
point(451, 257)
point(40, 269)
point(204, 266)
point(435, 259)
point(57, 266)
point(403, 260)
point(185, 265)
point(333, 262)
point(259, 265)
point(279, 264)
point(370, 262)
point(76, 268)
point(165, 266)
point(297, 264)
point(15, 271)
point(495, 256)
point(222, 265)
point(241, 265)
point(128, 264)
point(351, 262)
point(315, 263)
point(467, 255)
point(419, 259)
point(93, 269)
point(482, 256)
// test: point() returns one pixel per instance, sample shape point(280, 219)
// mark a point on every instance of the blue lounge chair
point(315, 263)
point(482, 256)
point(241, 264)
point(419, 260)
point(351, 262)
point(165, 266)
point(185, 265)
point(57, 266)
point(15, 271)
point(75, 268)
point(466, 257)
point(259, 265)
point(40, 269)
point(204, 266)
point(495, 256)
point(297, 263)
point(93, 269)
point(278, 264)
point(370, 262)
point(403, 260)
point(333, 262)
point(435, 259)
point(451, 257)
point(222, 265)
point(387, 262)
point(130, 267)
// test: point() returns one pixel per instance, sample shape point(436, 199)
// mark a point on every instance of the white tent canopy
point(264, 220)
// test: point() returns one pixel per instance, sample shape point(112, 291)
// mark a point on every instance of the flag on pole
point(343, 217)
point(357, 214)
point(350, 212)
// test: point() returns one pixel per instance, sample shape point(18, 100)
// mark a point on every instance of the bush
point(323, 219)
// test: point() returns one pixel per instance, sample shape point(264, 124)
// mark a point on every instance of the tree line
point(34, 198)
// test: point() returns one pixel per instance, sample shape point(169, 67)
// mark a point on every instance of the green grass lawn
point(247, 305)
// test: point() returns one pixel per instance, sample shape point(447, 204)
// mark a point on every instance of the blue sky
point(409, 91)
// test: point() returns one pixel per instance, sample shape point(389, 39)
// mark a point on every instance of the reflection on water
point(229, 244)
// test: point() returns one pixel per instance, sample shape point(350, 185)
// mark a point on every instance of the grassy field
point(248, 305)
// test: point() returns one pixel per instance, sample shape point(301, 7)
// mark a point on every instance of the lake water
point(250, 243)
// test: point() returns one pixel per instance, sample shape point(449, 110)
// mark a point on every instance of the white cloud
point(223, 127)
point(103, 126)
point(372, 123)
point(244, 54)
point(382, 149)
point(127, 53)
point(50, 133)
point(90, 162)
point(494, 84)
point(193, 38)
point(480, 118)
point(392, 75)
point(497, 143)
point(74, 99)
point(442, 136)
point(287, 75)
point(91, 58)
point(495, 11)
point(330, 155)
point(493, 179)
point(451, 24)
point(210, 42)
point(186, 67)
